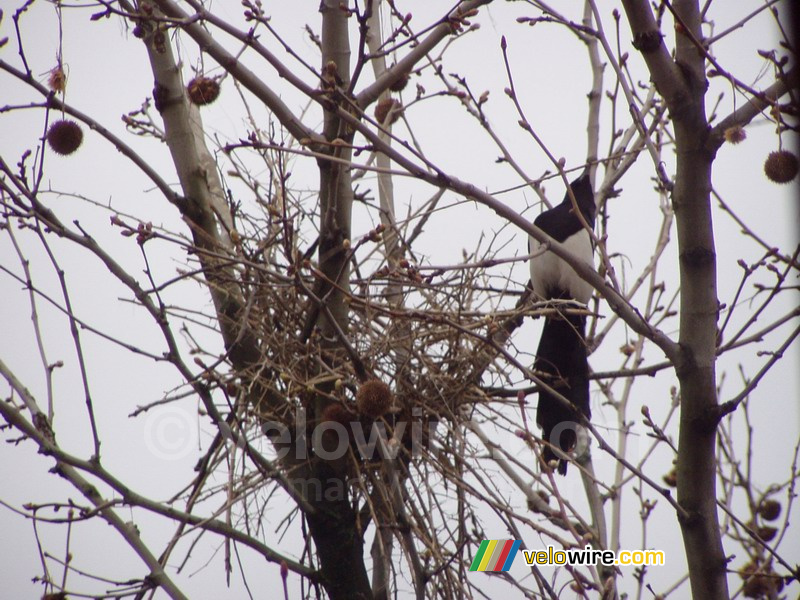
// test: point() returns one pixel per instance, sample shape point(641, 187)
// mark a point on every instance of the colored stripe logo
point(495, 555)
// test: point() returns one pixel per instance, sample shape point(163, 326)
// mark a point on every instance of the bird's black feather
point(560, 222)
point(561, 363)
point(561, 360)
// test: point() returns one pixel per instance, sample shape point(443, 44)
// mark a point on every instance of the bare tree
point(358, 386)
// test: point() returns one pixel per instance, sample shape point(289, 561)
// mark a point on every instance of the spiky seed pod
point(735, 134)
point(770, 510)
point(781, 166)
point(203, 90)
point(373, 399)
point(671, 478)
point(64, 137)
point(760, 586)
point(57, 81)
point(749, 569)
point(384, 107)
point(400, 84)
point(336, 413)
point(766, 533)
point(333, 415)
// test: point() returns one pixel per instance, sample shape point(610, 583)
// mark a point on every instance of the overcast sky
point(109, 75)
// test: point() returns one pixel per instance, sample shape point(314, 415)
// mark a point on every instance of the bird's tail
point(561, 363)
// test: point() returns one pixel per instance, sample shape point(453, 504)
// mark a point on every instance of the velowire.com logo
point(495, 555)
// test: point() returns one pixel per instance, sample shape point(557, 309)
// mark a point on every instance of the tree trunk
point(682, 83)
point(699, 311)
point(333, 523)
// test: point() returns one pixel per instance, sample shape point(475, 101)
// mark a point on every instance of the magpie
point(561, 357)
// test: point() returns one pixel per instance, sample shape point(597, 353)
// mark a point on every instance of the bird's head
point(584, 196)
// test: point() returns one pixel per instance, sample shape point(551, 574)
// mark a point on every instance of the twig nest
point(781, 166)
point(64, 137)
point(373, 399)
point(203, 90)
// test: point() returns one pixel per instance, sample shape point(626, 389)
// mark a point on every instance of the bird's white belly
point(547, 270)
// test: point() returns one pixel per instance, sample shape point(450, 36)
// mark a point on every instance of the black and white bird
point(561, 358)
